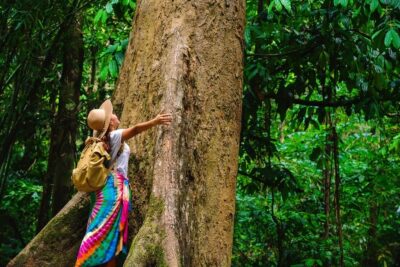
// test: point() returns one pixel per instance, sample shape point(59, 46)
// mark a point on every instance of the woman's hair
point(107, 146)
point(106, 141)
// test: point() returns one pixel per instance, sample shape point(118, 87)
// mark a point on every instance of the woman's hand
point(163, 118)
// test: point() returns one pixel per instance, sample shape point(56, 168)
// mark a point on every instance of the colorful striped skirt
point(107, 227)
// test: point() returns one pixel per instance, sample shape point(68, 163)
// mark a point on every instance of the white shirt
point(121, 164)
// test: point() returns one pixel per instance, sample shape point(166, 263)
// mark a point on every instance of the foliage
point(306, 62)
point(368, 177)
point(17, 212)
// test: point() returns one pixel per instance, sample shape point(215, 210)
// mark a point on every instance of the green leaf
point(109, 8)
point(124, 43)
point(286, 4)
point(98, 16)
point(309, 262)
point(270, 11)
point(119, 57)
point(103, 73)
point(396, 39)
point(253, 73)
point(374, 4)
point(344, 3)
point(125, 2)
point(113, 68)
point(388, 38)
point(336, 2)
point(278, 5)
point(111, 48)
point(104, 18)
point(356, 13)
point(376, 33)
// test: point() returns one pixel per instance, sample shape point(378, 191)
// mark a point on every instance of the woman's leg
point(110, 263)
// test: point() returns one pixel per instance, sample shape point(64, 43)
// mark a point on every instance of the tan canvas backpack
point(91, 173)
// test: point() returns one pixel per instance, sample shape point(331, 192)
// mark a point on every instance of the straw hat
point(99, 119)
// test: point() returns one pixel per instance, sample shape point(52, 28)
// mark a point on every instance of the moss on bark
point(146, 248)
point(58, 242)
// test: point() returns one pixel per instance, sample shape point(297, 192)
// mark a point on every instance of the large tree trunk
point(187, 62)
point(183, 57)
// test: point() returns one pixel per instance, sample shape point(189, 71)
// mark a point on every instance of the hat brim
point(108, 108)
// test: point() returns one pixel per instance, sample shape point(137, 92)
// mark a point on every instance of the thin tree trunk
point(255, 83)
point(44, 206)
point(10, 136)
point(66, 125)
point(327, 181)
point(371, 254)
point(280, 234)
point(337, 196)
point(57, 182)
point(5, 70)
point(282, 131)
point(93, 50)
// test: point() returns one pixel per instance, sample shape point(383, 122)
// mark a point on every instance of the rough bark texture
point(185, 58)
point(58, 242)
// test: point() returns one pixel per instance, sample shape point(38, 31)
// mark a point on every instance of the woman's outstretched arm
point(165, 119)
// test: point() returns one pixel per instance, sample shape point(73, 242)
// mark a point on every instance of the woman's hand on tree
point(163, 118)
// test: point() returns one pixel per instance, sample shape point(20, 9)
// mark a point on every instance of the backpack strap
point(112, 168)
point(90, 140)
point(120, 150)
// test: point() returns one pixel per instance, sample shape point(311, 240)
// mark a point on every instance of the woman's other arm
point(140, 127)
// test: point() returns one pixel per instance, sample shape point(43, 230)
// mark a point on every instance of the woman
point(107, 228)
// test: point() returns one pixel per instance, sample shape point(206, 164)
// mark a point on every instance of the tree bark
point(187, 62)
point(337, 196)
point(66, 125)
point(327, 180)
point(371, 253)
point(57, 182)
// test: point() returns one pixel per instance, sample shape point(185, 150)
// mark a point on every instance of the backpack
point(91, 173)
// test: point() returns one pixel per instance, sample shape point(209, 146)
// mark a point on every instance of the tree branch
point(339, 103)
point(302, 50)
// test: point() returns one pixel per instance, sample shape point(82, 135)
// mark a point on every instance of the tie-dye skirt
point(107, 227)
